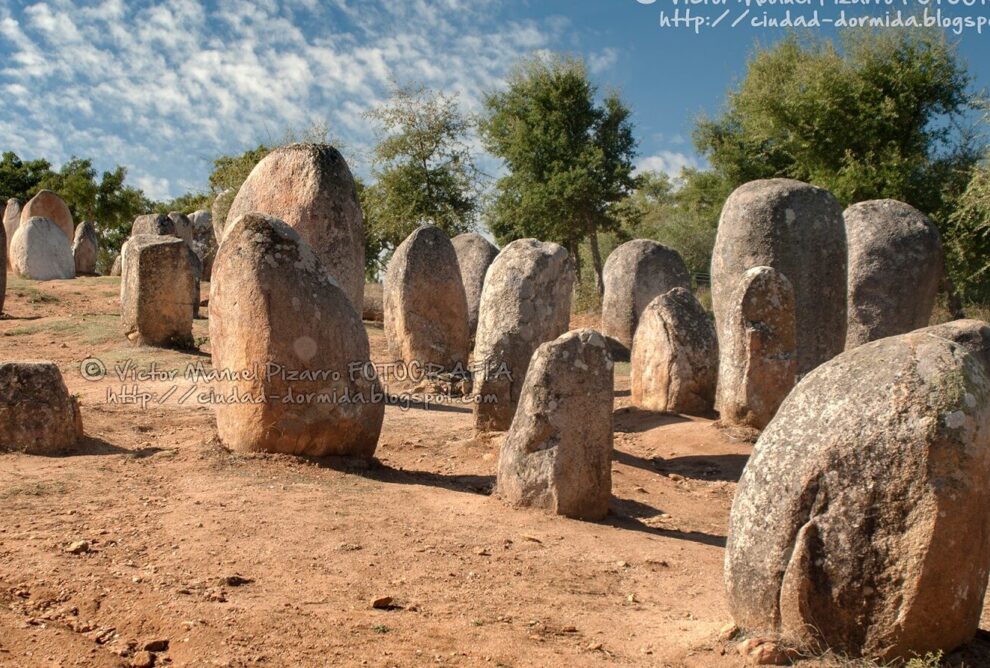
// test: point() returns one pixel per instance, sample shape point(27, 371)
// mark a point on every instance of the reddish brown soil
point(173, 519)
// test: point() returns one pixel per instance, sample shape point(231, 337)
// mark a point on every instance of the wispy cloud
point(667, 162)
point(164, 88)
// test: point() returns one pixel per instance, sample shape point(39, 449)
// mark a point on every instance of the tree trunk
point(574, 249)
point(596, 259)
point(952, 299)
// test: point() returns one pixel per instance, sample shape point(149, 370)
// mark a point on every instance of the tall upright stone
point(218, 211)
point(3, 267)
point(798, 230)
point(41, 252)
point(426, 317)
point(204, 241)
point(47, 204)
point(526, 300)
point(895, 268)
point(758, 349)
point(310, 188)
point(674, 360)
point(85, 247)
point(557, 454)
point(156, 288)
point(861, 522)
point(474, 255)
point(635, 274)
point(273, 305)
point(11, 219)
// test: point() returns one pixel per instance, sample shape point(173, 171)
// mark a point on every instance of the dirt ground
point(234, 560)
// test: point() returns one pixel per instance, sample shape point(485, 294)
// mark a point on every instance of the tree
point(423, 170)
point(880, 115)
point(569, 158)
point(20, 179)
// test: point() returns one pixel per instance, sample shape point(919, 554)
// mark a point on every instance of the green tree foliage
point(569, 159)
point(20, 179)
point(423, 170)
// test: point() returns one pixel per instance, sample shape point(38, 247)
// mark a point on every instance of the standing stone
point(218, 211)
point(11, 219)
point(156, 289)
point(3, 267)
point(85, 247)
point(862, 519)
point(474, 255)
point(635, 274)
point(526, 300)
point(798, 230)
point(47, 204)
point(557, 454)
point(310, 187)
point(204, 241)
point(197, 269)
point(674, 361)
point(183, 227)
point(273, 305)
point(154, 224)
point(374, 303)
point(895, 267)
point(41, 252)
point(426, 319)
point(38, 416)
point(115, 270)
point(758, 361)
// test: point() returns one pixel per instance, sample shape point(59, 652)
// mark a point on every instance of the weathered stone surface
point(474, 255)
point(3, 267)
point(47, 204)
point(38, 416)
point(204, 240)
point(310, 187)
point(635, 273)
point(197, 269)
point(274, 305)
point(526, 300)
point(85, 247)
point(674, 361)
point(758, 360)
point(426, 319)
point(11, 219)
point(218, 212)
point(557, 454)
point(153, 224)
point(861, 521)
point(115, 270)
point(798, 230)
point(895, 267)
point(40, 251)
point(374, 303)
point(156, 287)
point(183, 226)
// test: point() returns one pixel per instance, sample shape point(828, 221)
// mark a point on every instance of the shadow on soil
point(627, 514)
point(631, 420)
point(702, 467)
point(469, 484)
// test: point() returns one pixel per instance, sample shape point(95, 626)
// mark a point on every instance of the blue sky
point(163, 87)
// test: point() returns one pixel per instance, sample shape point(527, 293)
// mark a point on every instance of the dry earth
point(236, 560)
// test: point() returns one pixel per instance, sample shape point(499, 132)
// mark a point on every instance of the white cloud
point(668, 162)
point(163, 88)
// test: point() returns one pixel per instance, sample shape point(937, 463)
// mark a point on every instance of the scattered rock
point(37, 414)
point(78, 547)
point(143, 660)
point(382, 603)
point(157, 645)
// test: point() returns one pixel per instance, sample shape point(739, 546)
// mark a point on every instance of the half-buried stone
point(276, 310)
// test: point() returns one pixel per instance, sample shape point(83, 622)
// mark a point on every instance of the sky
point(164, 87)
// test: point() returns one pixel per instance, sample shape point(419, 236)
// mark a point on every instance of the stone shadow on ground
point(93, 446)
point(974, 653)
point(410, 403)
point(726, 467)
point(376, 470)
point(631, 420)
point(629, 514)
